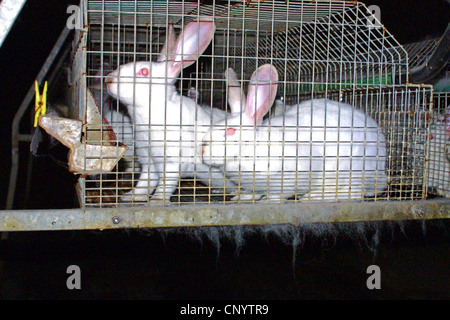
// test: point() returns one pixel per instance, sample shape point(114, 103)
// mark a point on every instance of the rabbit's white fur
point(123, 128)
point(279, 107)
point(439, 156)
point(306, 151)
point(168, 125)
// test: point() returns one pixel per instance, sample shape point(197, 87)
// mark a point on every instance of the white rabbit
point(439, 156)
point(168, 125)
point(319, 148)
point(122, 127)
point(279, 107)
point(215, 113)
point(195, 95)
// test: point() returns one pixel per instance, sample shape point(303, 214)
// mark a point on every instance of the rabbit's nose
point(110, 78)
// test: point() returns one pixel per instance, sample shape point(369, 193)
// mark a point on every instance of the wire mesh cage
point(438, 159)
point(419, 52)
point(438, 177)
point(269, 101)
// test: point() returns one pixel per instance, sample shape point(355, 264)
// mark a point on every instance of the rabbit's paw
point(159, 200)
point(247, 197)
point(131, 197)
point(218, 191)
point(443, 193)
point(317, 196)
point(221, 191)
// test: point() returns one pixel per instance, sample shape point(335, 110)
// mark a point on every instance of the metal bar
point(15, 136)
point(221, 215)
point(25, 137)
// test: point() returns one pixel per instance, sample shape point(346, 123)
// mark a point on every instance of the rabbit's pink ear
point(191, 43)
point(169, 44)
point(262, 91)
point(236, 97)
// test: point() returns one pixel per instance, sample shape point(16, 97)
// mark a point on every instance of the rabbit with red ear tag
point(320, 149)
point(168, 125)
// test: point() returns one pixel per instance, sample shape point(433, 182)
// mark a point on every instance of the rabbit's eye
point(143, 72)
point(230, 131)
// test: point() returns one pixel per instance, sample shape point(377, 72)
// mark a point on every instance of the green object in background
point(358, 83)
point(443, 85)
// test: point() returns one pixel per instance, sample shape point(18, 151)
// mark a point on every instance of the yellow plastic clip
point(40, 105)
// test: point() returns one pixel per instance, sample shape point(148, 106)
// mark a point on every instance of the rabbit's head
point(134, 82)
point(227, 138)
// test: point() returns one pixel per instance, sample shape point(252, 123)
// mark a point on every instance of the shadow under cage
point(248, 102)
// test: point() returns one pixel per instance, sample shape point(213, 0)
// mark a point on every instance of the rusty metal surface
point(221, 215)
point(83, 157)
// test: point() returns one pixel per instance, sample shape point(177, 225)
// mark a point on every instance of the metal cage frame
point(321, 49)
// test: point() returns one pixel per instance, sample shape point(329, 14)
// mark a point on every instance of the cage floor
point(191, 192)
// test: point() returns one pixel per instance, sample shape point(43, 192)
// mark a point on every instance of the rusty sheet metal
point(83, 158)
point(97, 130)
point(93, 146)
point(221, 215)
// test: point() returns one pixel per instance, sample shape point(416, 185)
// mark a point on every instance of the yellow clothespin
point(40, 105)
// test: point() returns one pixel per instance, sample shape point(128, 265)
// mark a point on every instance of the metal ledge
point(221, 215)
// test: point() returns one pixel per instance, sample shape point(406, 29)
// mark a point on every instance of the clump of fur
point(365, 235)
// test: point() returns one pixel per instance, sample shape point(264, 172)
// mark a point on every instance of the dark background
point(125, 264)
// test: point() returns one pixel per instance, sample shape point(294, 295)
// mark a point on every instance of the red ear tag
point(431, 137)
point(230, 131)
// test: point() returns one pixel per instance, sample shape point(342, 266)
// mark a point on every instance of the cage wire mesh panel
point(419, 52)
point(438, 177)
point(438, 159)
point(333, 122)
